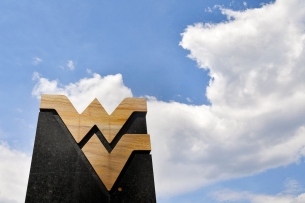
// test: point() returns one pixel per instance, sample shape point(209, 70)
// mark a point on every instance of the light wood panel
point(66, 111)
point(109, 165)
point(95, 114)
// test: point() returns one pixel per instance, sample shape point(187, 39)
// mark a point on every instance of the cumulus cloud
point(256, 120)
point(36, 61)
point(109, 90)
point(14, 174)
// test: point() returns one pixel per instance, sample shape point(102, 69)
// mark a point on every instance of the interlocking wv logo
point(107, 162)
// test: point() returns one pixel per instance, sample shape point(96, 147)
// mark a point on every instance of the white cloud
point(245, 3)
point(227, 195)
point(256, 120)
point(109, 90)
point(292, 187)
point(70, 65)
point(36, 61)
point(14, 174)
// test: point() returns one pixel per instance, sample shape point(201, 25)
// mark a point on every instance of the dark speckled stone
point(137, 183)
point(61, 173)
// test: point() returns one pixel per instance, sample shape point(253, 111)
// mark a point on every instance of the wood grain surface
point(95, 114)
point(107, 165)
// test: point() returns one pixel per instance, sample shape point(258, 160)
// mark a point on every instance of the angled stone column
point(93, 156)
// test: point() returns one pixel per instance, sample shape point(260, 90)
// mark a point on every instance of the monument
point(92, 156)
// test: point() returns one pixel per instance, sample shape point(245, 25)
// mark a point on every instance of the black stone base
point(61, 173)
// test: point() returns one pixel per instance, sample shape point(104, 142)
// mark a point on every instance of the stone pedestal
point(61, 171)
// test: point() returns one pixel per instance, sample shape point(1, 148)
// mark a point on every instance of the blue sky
point(223, 80)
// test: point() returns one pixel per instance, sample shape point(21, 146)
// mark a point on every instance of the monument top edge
point(59, 101)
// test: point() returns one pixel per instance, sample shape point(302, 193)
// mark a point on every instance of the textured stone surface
point(61, 173)
point(136, 183)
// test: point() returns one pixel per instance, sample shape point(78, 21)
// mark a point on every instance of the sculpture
point(92, 156)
